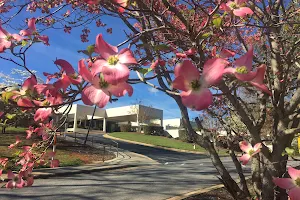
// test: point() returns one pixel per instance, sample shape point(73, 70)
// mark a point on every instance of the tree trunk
point(226, 179)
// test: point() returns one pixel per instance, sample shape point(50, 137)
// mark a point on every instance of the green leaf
point(144, 71)
point(90, 49)
point(290, 151)
point(217, 22)
point(161, 47)
point(206, 35)
point(24, 43)
point(10, 116)
point(6, 96)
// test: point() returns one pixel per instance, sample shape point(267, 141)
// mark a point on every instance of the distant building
point(172, 126)
point(108, 120)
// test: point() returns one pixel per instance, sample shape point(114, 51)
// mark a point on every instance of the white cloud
point(152, 90)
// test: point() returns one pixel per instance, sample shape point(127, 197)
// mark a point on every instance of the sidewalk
point(124, 159)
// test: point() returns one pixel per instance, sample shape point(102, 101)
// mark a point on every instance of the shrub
point(153, 130)
point(125, 127)
point(183, 136)
point(222, 141)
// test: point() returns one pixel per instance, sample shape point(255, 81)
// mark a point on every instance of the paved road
point(178, 173)
point(160, 155)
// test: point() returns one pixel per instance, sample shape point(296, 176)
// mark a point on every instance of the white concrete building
point(172, 126)
point(108, 120)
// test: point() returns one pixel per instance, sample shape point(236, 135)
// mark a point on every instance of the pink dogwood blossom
point(42, 114)
point(32, 31)
point(3, 162)
point(113, 64)
point(28, 177)
point(68, 77)
point(53, 162)
point(187, 53)
point(291, 184)
point(16, 143)
point(258, 80)
point(16, 181)
point(249, 151)
point(158, 62)
point(123, 4)
point(7, 39)
point(237, 7)
point(195, 93)
point(99, 92)
point(243, 67)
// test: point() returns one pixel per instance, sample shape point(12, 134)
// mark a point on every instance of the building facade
point(108, 120)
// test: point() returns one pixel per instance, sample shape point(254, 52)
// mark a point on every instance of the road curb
point(150, 145)
point(196, 192)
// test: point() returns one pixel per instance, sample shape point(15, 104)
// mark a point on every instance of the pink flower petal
point(294, 193)
point(20, 183)
point(3, 32)
point(242, 12)
point(25, 32)
point(54, 163)
point(239, 2)
point(44, 39)
point(30, 181)
point(42, 114)
point(122, 3)
point(213, 70)
point(181, 84)
point(93, 96)
point(154, 64)
point(294, 173)
point(76, 80)
point(115, 74)
point(225, 7)
point(42, 88)
point(10, 185)
point(17, 37)
point(104, 49)
point(284, 183)
point(97, 66)
point(25, 102)
point(187, 70)
point(63, 83)
point(10, 175)
point(65, 65)
point(121, 89)
point(191, 51)
point(225, 53)
point(245, 60)
point(1, 113)
point(181, 55)
point(229, 70)
point(245, 159)
point(84, 72)
point(29, 83)
point(245, 146)
point(126, 57)
point(197, 100)
point(31, 24)
point(257, 146)
point(258, 81)
point(245, 77)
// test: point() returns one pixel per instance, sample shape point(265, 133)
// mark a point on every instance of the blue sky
point(65, 46)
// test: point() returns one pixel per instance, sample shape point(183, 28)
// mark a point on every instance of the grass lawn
point(158, 141)
point(68, 153)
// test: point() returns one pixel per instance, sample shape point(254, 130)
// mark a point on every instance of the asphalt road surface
point(176, 174)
